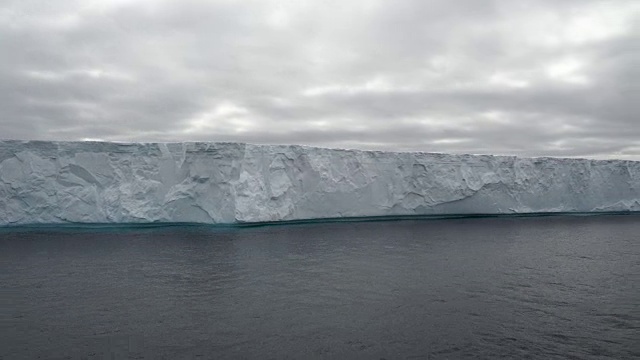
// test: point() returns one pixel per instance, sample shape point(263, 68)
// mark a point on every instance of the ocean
point(545, 287)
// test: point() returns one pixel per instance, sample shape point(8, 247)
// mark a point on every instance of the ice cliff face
point(54, 182)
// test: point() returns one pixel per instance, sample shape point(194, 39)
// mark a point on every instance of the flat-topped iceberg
point(99, 182)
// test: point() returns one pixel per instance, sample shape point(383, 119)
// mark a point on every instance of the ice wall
point(97, 182)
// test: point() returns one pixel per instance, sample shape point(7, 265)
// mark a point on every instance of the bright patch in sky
point(567, 70)
point(508, 80)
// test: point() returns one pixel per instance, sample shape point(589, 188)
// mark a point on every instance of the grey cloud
point(402, 75)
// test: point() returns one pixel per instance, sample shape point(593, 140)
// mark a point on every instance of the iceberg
point(44, 182)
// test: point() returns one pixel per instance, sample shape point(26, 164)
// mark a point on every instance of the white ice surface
point(96, 182)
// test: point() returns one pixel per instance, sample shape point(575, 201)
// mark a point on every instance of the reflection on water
point(552, 287)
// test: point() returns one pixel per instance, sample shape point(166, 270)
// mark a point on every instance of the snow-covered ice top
point(100, 182)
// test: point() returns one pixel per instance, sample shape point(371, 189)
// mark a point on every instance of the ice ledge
point(98, 182)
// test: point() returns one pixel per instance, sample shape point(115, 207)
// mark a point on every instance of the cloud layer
point(530, 78)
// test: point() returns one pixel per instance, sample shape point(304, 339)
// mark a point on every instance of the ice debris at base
point(99, 182)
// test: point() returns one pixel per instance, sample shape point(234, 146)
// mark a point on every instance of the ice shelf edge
point(226, 183)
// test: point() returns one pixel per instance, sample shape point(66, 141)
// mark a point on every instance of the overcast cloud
point(530, 78)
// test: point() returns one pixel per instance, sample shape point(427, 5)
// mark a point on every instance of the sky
point(510, 77)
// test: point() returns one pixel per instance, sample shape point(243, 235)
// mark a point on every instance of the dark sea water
point(541, 288)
